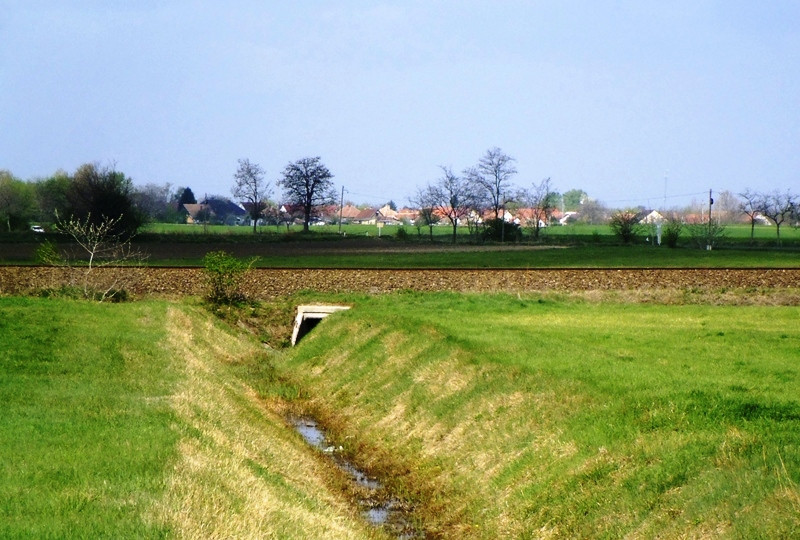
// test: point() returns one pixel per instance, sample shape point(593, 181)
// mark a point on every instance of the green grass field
point(131, 421)
point(762, 234)
point(547, 257)
point(574, 246)
point(526, 417)
point(496, 415)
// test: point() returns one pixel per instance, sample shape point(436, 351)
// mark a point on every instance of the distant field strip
point(269, 283)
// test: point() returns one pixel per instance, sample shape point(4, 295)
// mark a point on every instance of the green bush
point(625, 225)
point(47, 253)
point(501, 230)
point(402, 233)
point(672, 232)
point(225, 274)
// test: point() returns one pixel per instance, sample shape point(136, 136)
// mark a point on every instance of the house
point(196, 213)
point(654, 216)
point(367, 216)
point(349, 212)
point(215, 210)
point(407, 215)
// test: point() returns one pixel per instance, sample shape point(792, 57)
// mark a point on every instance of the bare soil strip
point(270, 283)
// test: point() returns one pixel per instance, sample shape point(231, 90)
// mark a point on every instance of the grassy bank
point(529, 417)
point(132, 421)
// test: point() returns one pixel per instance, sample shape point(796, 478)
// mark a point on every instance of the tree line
point(480, 197)
point(98, 194)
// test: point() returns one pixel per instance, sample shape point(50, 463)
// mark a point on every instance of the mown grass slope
point(133, 421)
point(509, 416)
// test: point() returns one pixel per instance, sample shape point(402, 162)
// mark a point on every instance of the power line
point(665, 197)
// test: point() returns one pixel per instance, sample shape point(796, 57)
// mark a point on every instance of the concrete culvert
point(309, 316)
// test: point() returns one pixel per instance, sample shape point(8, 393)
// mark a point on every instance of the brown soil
point(270, 283)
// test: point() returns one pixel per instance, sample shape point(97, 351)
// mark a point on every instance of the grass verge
point(509, 416)
point(85, 436)
point(134, 421)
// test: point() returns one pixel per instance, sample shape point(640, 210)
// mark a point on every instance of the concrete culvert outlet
point(308, 317)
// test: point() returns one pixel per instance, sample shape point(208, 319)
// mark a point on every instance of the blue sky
point(626, 100)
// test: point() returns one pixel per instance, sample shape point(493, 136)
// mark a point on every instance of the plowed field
point(267, 283)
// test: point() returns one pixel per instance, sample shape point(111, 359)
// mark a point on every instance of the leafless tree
point(307, 183)
point(593, 213)
point(102, 243)
point(154, 201)
point(251, 189)
point(751, 204)
point(778, 207)
point(452, 196)
point(493, 174)
point(727, 205)
point(427, 213)
point(542, 201)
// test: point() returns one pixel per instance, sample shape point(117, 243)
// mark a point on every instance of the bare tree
point(778, 207)
point(103, 243)
point(427, 214)
point(154, 201)
point(593, 212)
point(251, 189)
point(493, 174)
point(751, 205)
point(542, 201)
point(307, 183)
point(727, 205)
point(452, 196)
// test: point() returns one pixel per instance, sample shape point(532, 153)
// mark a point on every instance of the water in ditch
point(377, 507)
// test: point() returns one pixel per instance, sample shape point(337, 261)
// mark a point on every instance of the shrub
point(225, 274)
point(672, 232)
point(47, 253)
point(625, 224)
point(499, 229)
point(402, 233)
point(707, 235)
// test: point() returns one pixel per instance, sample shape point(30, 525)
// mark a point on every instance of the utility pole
point(341, 204)
point(710, 202)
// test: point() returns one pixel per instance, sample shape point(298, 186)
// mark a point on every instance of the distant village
point(221, 210)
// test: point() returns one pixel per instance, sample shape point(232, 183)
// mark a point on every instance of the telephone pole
point(341, 204)
point(708, 238)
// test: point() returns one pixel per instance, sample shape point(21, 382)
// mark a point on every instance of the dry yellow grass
point(241, 473)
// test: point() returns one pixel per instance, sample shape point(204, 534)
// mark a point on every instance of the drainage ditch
point(377, 506)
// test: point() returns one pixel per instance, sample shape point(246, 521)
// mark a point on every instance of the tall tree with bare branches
point(751, 205)
point(778, 207)
point(307, 183)
point(493, 174)
point(542, 201)
point(451, 196)
point(251, 189)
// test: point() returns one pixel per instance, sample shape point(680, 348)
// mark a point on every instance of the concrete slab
point(308, 316)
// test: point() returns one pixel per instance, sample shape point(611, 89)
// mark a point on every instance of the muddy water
point(377, 506)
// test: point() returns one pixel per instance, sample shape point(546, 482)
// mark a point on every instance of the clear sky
point(627, 100)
